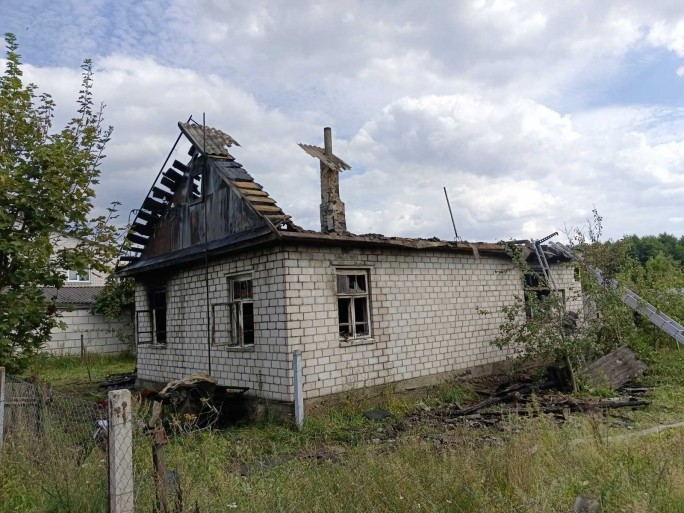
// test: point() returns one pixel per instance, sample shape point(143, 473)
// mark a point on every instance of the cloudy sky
point(529, 112)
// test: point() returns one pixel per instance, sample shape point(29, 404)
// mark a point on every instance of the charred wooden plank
point(174, 175)
point(143, 229)
point(267, 208)
point(153, 205)
point(279, 218)
point(256, 200)
point(254, 192)
point(247, 185)
point(180, 166)
point(169, 183)
point(137, 239)
point(161, 194)
point(146, 216)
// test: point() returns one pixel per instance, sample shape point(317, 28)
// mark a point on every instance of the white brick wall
point(424, 314)
point(99, 335)
point(263, 368)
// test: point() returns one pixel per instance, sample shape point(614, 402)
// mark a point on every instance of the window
point(241, 311)
point(157, 298)
point(536, 291)
point(353, 304)
point(75, 277)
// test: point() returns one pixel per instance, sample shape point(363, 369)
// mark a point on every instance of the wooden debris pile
point(521, 401)
point(534, 399)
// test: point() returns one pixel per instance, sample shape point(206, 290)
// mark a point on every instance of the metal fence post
point(2, 406)
point(298, 389)
point(120, 452)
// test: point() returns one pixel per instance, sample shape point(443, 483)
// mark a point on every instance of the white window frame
point(237, 332)
point(354, 337)
point(79, 277)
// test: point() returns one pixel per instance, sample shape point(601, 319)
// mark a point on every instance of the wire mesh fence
point(54, 449)
point(73, 454)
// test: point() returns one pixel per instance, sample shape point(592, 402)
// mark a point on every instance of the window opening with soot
point(353, 304)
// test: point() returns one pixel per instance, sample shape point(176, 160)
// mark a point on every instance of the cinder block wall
point(99, 335)
point(424, 314)
point(263, 367)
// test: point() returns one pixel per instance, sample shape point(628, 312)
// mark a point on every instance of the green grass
point(342, 461)
point(78, 375)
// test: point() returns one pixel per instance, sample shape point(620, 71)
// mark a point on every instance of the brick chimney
point(332, 208)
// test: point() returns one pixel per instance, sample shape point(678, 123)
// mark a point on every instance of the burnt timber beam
point(153, 205)
point(174, 175)
point(169, 183)
point(137, 239)
point(180, 166)
point(161, 194)
point(143, 229)
point(149, 217)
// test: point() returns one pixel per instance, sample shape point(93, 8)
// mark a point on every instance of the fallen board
point(616, 368)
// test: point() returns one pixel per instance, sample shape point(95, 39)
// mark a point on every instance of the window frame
point(237, 312)
point(78, 276)
point(535, 283)
point(155, 314)
point(354, 337)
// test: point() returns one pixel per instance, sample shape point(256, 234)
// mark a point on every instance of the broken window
point(536, 292)
point(241, 311)
point(353, 304)
point(157, 299)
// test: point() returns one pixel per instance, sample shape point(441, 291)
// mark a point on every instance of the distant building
point(73, 302)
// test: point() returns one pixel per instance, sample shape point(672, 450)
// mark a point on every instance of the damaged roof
point(212, 206)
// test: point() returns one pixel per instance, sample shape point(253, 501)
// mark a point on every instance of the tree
point(117, 300)
point(541, 328)
point(47, 181)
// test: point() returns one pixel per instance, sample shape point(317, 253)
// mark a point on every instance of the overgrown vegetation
point(115, 301)
point(63, 373)
point(540, 327)
point(47, 180)
point(343, 462)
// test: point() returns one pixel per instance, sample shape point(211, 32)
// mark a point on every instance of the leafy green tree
point(542, 329)
point(47, 180)
point(539, 327)
point(115, 301)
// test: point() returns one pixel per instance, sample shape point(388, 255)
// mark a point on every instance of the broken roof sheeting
point(319, 153)
point(252, 192)
point(207, 140)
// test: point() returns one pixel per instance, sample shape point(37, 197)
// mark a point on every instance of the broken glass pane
point(248, 324)
point(344, 311)
point(351, 283)
point(360, 309)
point(242, 289)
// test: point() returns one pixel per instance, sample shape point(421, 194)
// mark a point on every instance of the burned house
point(228, 284)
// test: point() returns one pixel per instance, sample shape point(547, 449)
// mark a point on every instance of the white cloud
point(480, 97)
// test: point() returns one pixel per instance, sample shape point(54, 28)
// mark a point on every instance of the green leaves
point(46, 194)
